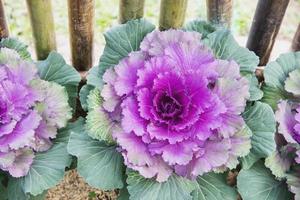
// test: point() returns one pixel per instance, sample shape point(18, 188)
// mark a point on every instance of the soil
point(73, 187)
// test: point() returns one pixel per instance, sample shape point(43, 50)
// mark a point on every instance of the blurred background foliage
point(106, 15)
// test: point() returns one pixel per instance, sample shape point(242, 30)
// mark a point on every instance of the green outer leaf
point(249, 160)
point(120, 41)
point(214, 187)
point(259, 183)
point(272, 95)
point(47, 169)
point(54, 68)
point(39, 197)
point(83, 94)
point(200, 26)
point(175, 188)
point(225, 47)
point(123, 195)
point(275, 75)
point(260, 119)
point(3, 189)
point(3, 192)
point(14, 43)
point(15, 189)
point(99, 164)
point(277, 71)
point(123, 39)
point(94, 77)
point(15, 192)
point(64, 134)
point(255, 92)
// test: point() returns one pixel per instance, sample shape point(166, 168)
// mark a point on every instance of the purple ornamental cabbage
point(285, 162)
point(31, 111)
point(174, 107)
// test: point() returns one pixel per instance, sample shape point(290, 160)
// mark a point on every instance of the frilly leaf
point(277, 165)
point(13, 43)
point(57, 111)
point(292, 83)
point(98, 124)
point(293, 181)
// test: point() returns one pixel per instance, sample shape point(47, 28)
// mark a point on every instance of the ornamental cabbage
point(282, 87)
point(285, 162)
point(173, 107)
point(31, 112)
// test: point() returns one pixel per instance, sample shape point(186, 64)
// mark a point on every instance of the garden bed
point(73, 187)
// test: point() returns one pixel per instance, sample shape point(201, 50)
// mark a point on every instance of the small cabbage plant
point(281, 171)
point(168, 111)
point(34, 106)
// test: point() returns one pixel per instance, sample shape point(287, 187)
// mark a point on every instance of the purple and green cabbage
point(278, 176)
point(174, 109)
point(283, 79)
point(34, 107)
point(31, 112)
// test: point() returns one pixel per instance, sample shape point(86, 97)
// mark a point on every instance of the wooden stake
point(3, 25)
point(265, 27)
point(219, 12)
point(81, 16)
point(42, 24)
point(172, 14)
point(296, 40)
point(130, 9)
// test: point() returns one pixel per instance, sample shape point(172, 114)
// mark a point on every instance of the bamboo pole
point(81, 16)
point(42, 24)
point(3, 26)
point(219, 12)
point(296, 40)
point(172, 14)
point(130, 9)
point(265, 26)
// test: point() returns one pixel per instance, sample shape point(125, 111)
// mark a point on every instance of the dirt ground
point(73, 187)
